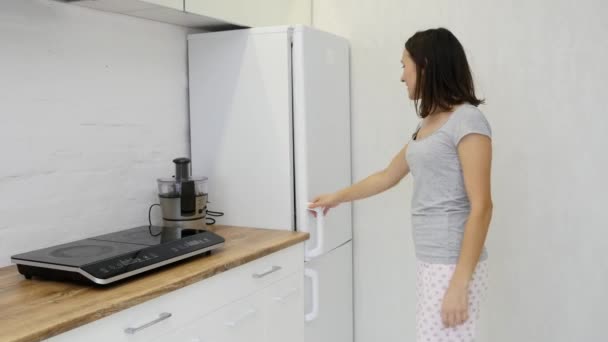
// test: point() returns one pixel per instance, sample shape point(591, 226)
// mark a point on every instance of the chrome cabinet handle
point(163, 316)
point(272, 270)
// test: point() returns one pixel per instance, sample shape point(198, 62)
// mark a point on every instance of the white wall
point(542, 66)
point(93, 108)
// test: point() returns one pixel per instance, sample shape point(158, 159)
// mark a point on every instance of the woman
point(449, 156)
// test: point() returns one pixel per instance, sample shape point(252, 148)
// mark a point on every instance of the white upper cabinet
point(126, 6)
point(254, 13)
point(175, 4)
point(211, 14)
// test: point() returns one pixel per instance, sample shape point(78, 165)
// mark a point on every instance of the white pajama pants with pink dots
point(432, 281)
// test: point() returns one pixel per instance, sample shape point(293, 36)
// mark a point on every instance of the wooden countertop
point(32, 310)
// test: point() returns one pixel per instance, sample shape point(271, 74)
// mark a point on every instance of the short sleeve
point(469, 121)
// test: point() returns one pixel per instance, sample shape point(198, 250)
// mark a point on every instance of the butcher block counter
point(34, 310)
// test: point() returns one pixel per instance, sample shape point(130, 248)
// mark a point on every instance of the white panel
point(322, 131)
point(240, 123)
point(334, 322)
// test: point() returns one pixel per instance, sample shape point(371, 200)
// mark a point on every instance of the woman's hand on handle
point(325, 201)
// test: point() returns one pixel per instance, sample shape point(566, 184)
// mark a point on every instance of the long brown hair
point(442, 71)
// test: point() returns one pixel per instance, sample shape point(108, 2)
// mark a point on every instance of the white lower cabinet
point(285, 310)
point(271, 315)
point(240, 321)
point(261, 301)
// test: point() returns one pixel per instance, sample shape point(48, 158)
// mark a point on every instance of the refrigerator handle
point(318, 250)
point(314, 277)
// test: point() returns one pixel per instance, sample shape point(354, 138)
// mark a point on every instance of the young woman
point(449, 156)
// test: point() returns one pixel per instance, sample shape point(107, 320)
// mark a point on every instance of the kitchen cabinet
point(285, 303)
point(126, 6)
point(175, 4)
point(210, 14)
point(261, 301)
point(166, 11)
point(271, 315)
point(254, 13)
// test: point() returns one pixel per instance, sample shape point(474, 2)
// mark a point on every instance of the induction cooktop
point(111, 257)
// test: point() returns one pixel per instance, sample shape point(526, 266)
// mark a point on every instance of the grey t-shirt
point(440, 204)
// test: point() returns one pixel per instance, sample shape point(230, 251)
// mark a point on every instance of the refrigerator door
point(329, 297)
point(240, 124)
point(321, 134)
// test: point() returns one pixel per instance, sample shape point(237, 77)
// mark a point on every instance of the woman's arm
point(475, 153)
point(372, 185)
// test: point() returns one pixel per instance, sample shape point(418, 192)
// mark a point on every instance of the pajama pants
point(432, 281)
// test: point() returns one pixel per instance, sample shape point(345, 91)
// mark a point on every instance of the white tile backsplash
point(93, 108)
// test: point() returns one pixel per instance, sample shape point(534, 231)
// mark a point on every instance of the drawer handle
point(234, 323)
point(163, 316)
point(272, 270)
point(289, 293)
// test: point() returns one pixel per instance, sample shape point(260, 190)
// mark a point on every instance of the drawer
point(227, 287)
point(273, 314)
point(262, 272)
point(145, 321)
point(285, 310)
point(243, 320)
point(176, 309)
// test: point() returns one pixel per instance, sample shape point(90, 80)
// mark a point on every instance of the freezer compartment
point(329, 296)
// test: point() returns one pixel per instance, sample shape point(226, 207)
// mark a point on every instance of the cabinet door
point(254, 13)
point(285, 310)
point(201, 330)
point(275, 314)
point(237, 322)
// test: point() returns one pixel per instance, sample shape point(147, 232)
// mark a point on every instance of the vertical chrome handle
point(163, 316)
point(272, 270)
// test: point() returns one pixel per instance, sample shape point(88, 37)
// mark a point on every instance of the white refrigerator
point(270, 127)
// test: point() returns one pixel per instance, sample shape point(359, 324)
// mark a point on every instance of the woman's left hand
point(455, 307)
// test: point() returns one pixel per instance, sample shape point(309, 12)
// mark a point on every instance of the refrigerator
point(270, 128)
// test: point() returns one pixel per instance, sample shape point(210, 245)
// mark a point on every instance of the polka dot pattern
point(432, 281)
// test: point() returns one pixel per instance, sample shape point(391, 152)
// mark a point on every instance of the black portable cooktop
point(108, 258)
